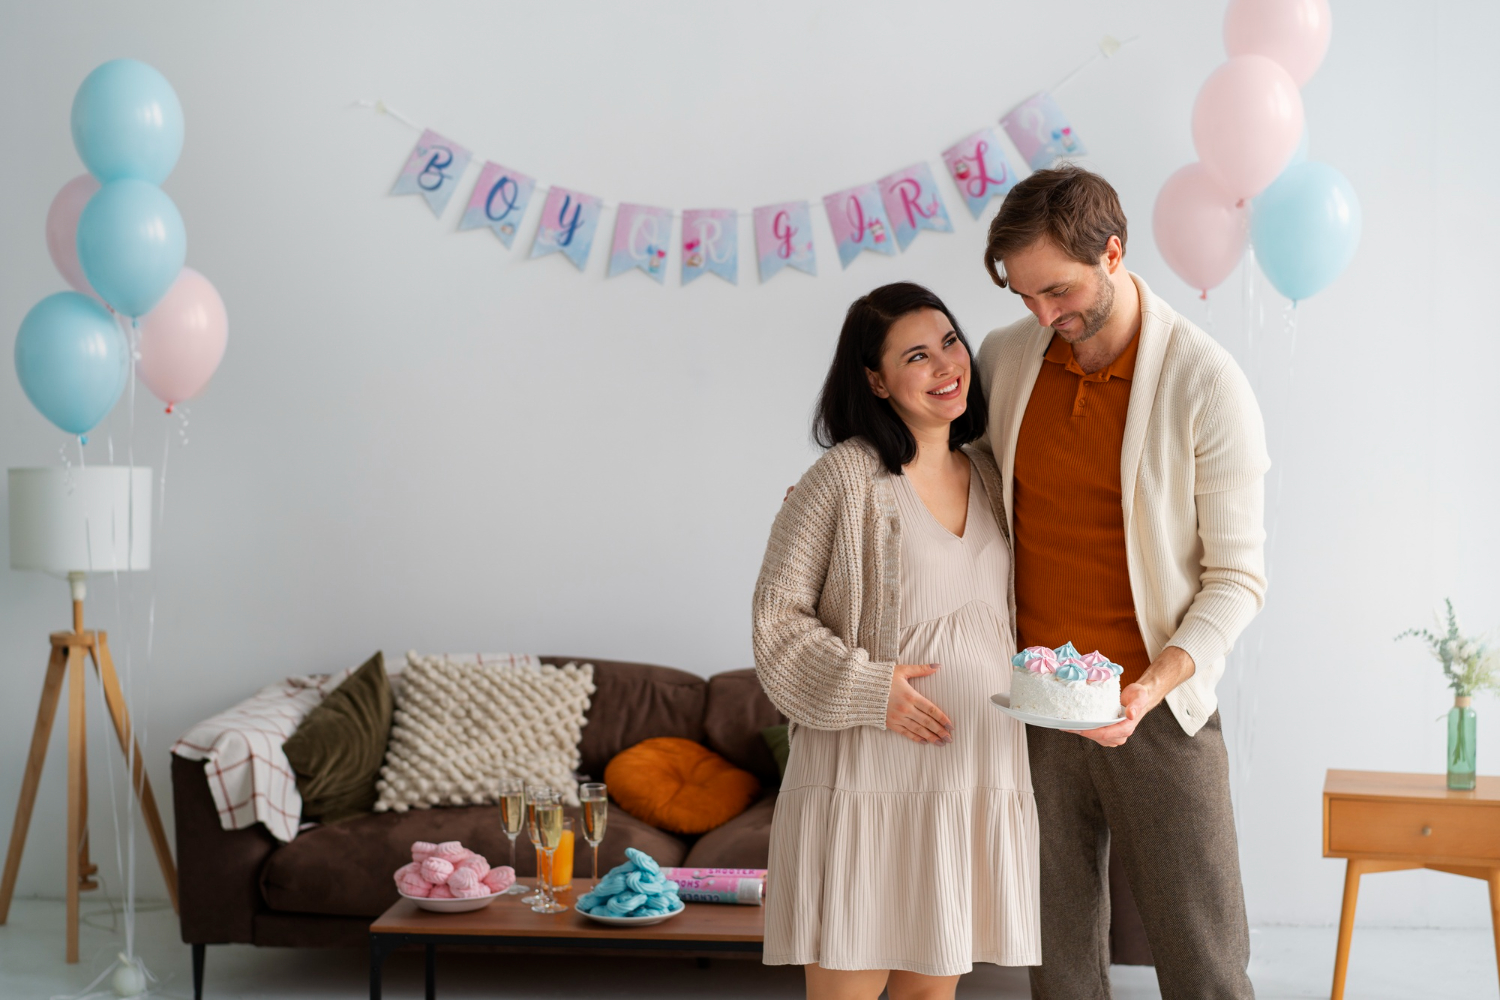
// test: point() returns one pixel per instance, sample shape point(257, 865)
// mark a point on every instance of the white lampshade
point(89, 520)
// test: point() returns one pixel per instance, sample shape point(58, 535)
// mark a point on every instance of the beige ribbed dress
point(890, 854)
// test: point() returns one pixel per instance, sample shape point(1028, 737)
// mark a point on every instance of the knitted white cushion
point(461, 722)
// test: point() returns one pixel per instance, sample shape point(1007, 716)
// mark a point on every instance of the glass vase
point(1461, 744)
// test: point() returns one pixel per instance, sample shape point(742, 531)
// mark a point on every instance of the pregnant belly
point(974, 648)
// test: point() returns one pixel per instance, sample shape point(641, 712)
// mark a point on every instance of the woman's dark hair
point(848, 408)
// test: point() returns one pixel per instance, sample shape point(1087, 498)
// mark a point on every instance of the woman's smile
point(948, 390)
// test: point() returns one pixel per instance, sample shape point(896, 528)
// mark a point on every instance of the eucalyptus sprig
point(1470, 664)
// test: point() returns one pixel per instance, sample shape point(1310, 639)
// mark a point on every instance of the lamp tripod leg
point(86, 868)
point(40, 735)
point(76, 780)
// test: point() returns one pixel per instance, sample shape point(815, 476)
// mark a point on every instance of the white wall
point(418, 439)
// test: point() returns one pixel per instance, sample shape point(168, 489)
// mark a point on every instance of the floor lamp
point(71, 522)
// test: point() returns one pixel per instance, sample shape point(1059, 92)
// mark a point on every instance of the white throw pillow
point(461, 722)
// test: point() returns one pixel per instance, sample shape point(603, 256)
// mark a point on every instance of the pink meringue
point(462, 878)
point(421, 850)
point(1044, 662)
point(477, 863)
point(440, 892)
point(436, 870)
point(414, 885)
point(500, 879)
point(475, 891)
point(452, 852)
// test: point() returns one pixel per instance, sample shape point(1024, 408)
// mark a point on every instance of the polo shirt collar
point(1060, 352)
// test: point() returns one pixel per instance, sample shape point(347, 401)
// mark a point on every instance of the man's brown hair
point(1076, 209)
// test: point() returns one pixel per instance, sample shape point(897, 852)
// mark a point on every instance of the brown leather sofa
point(326, 886)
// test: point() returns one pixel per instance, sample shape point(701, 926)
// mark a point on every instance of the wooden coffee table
point(704, 930)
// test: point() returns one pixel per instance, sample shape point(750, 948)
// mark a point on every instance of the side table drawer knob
point(1426, 831)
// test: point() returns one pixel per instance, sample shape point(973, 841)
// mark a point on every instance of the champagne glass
point(594, 797)
point(533, 792)
point(512, 795)
point(549, 824)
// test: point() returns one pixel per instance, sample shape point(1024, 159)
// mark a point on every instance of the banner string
point(1106, 49)
point(1108, 46)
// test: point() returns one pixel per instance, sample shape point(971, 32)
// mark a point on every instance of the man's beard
point(1097, 314)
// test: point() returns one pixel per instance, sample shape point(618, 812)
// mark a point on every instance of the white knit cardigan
point(1192, 470)
point(827, 606)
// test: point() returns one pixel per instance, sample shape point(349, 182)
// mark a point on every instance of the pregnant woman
point(904, 843)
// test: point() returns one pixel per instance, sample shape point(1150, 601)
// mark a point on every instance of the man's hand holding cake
point(1166, 672)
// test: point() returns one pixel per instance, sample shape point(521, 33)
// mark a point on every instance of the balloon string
point(132, 753)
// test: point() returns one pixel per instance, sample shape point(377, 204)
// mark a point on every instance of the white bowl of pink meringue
point(450, 878)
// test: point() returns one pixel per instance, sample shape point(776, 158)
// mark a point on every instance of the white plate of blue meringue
point(614, 921)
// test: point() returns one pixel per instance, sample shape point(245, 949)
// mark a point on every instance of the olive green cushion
point(776, 739)
point(338, 749)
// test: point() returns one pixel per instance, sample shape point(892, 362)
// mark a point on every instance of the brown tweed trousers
point(1165, 794)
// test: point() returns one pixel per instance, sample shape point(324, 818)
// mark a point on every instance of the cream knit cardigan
point(827, 606)
point(1192, 468)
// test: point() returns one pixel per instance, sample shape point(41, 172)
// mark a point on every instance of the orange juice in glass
point(562, 860)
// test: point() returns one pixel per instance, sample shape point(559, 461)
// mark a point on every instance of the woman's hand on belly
point(910, 714)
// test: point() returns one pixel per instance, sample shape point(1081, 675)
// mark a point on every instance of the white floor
point(1288, 963)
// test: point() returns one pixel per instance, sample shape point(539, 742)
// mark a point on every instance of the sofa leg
point(198, 954)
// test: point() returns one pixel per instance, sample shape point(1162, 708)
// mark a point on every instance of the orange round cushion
point(678, 785)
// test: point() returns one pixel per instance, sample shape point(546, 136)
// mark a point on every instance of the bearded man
point(1133, 455)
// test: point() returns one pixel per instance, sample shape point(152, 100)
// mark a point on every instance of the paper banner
point(569, 220)
point(499, 201)
point(641, 237)
point(859, 223)
point(433, 170)
point(912, 202)
point(979, 169)
point(1040, 132)
point(711, 243)
point(783, 237)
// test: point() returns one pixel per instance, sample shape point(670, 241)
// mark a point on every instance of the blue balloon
point(72, 360)
point(131, 244)
point(1305, 228)
point(127, 122)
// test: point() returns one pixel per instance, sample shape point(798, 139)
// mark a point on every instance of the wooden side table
point(1385, 822)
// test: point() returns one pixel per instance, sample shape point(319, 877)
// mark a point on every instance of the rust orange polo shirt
point(1072, 582)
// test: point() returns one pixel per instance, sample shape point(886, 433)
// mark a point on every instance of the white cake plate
point(1002, 702)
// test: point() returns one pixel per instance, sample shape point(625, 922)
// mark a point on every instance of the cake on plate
point(1061, 683)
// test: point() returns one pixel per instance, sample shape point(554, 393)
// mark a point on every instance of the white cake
point(1061, 684)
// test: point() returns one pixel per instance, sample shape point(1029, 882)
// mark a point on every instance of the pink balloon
point(183, 339)
point(1247, 123)
point(1292, 32)
point(1200, 231)
point(62, 230)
